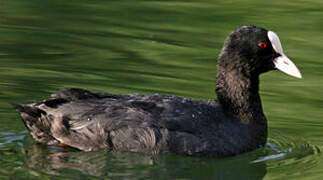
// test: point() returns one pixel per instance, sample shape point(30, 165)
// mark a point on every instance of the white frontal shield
point(282, 62)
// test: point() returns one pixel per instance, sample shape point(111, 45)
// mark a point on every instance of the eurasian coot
point(168, 124)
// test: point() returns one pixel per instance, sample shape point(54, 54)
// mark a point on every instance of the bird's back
point(139, 123)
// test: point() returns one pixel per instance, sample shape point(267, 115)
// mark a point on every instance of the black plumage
point(162, 123)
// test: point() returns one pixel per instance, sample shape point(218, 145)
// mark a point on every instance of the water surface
point(167, 47)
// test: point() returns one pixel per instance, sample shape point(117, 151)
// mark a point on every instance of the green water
point(167, 47)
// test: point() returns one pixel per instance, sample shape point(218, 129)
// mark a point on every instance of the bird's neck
point(239, 97)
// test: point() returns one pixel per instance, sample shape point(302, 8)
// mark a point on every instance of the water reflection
point(280, 155)
point(57, 161)
point(20, 155)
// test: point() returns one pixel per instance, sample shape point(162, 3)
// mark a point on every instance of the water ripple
point(289, 154)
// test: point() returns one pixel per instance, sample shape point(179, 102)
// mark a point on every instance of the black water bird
point(155, 123)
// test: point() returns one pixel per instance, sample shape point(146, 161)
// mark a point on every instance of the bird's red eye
point(262, 45)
